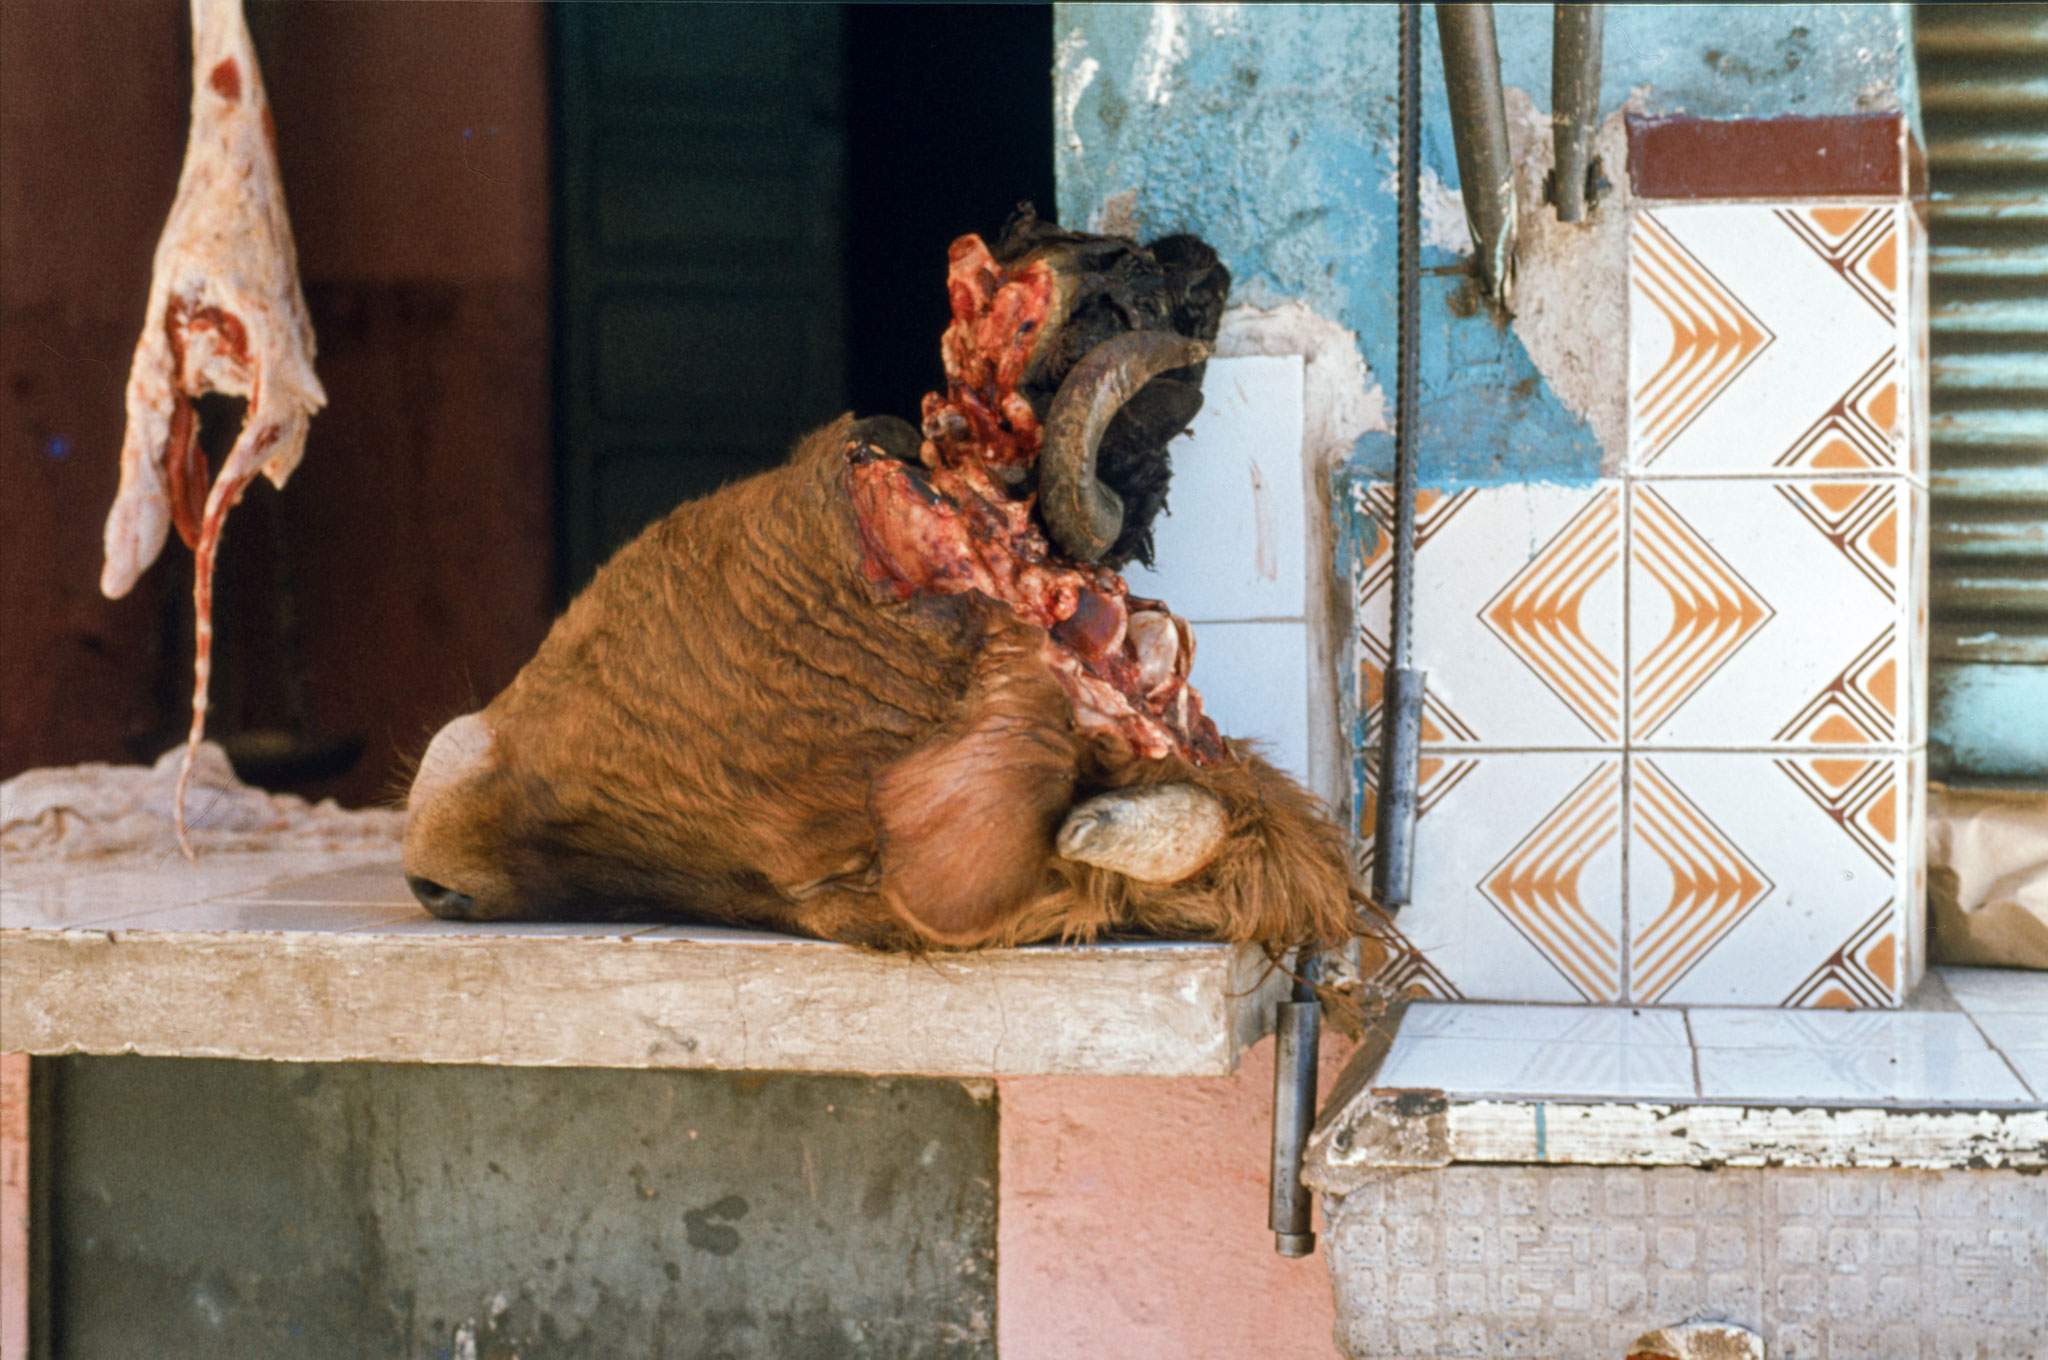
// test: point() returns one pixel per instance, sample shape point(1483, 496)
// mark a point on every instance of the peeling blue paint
point(1989, 721)
point(1270, 130)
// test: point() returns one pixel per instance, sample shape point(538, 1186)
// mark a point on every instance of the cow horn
point(1083, 515)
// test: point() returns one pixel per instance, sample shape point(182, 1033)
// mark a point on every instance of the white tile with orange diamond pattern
point(1518, 619)
point(1768, 614)
point(1767, 879)
point(1769, 338)
point(1518, 878)
point(1672, 742)
point(1774, 612)
point(1748, 878)
point(1761, 613)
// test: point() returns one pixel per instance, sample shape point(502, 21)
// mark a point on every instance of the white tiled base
point(1986, 1053)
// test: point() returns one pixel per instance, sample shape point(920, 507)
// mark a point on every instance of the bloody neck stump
point(1067, 372)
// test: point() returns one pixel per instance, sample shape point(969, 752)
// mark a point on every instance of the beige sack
point(1987, 877)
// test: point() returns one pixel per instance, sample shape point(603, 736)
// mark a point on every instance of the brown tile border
point(1857, 155)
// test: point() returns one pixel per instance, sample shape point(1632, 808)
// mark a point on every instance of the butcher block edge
point(686, 999)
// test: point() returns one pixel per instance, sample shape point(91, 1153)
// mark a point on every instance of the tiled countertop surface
point(1973, 1038)
point(314, 955)
point(1958, 1079)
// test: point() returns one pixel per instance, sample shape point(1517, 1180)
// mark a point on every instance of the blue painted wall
point(1270, 130)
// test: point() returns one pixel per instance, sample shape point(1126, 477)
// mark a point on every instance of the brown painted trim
point(1853, 155)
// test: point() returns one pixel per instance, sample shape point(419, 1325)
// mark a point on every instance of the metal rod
point(1479, 128)
point(1298, 1030)
point(1574, 105)
point(1401, 700)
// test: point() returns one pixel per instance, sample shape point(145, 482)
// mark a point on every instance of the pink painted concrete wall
point(13, 1206)
point(1133, 1222)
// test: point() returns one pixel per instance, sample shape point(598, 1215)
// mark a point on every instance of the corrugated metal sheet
point(1984, 99)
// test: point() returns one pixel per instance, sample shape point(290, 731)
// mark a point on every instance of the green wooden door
point(699, 153)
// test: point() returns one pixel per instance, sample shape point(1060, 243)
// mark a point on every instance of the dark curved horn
point(1083, 515)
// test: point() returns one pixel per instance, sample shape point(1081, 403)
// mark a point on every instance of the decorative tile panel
point(1919, 542)
point(1768, 338)
point(1517, 876)
point(1874, 1263)
point(1766, 612)
point(1518, 614)
point(1916, 341)
point(1775, 880)
point(1727, 645)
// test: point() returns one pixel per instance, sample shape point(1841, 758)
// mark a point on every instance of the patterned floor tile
point(1942, 1033)
point(1768, 338)
point(2032, 1066)
point(1769, 612)
point(1518, 614)
point(1517, 893)
point(1761, 880)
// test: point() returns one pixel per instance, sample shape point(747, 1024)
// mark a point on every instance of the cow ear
point(966, 821)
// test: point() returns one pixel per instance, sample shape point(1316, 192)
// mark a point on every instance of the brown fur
point(732, 722)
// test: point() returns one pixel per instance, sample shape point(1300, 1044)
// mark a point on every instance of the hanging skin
point(225, 315)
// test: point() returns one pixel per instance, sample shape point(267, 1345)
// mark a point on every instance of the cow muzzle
point(454, 763)
point(445, 903)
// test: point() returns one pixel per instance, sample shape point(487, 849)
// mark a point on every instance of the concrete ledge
point(338, 967)
point(1943, 1087)
point(1414, 1130)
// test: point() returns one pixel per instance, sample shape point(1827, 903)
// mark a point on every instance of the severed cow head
point(715, 720)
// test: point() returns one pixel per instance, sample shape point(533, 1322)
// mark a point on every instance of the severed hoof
point(1161, 833)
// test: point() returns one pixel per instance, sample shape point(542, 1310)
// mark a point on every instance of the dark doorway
point(754, 204)
point(949, 127)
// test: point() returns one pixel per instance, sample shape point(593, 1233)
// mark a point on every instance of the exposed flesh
point(953, 523)
point(225, 315)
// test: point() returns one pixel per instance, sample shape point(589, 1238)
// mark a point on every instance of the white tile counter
point(1961, 1079)
point(324, 957)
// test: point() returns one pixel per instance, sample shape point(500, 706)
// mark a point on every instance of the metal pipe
point(1401, 702)
point(1574, 106)
point(1298, 1030)
point(1479, 127)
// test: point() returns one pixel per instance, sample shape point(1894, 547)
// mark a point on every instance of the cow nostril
point(445, 903)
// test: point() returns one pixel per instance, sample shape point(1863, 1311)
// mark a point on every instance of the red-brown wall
point(413, 143)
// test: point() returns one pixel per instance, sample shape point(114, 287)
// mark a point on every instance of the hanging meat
point(225, 316)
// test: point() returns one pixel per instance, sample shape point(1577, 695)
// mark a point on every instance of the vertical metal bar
point(1401, 706)
point(1574, 105)
point(1297, 1040)
point(1479, 127)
